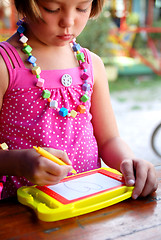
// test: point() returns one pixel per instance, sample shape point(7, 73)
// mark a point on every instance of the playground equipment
point(124, 35)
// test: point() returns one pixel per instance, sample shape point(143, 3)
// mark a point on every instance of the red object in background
point(151, 44)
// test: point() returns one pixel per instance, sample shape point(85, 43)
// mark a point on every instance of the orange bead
point(81, 108)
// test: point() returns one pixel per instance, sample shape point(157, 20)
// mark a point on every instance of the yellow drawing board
point(76, 195)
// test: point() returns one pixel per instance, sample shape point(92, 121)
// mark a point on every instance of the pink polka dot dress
point(26, 120)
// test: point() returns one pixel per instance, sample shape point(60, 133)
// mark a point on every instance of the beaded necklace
point(66, 79)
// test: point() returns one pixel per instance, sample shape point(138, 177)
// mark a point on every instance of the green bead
point(27, 49)
point(80, 56)
point(84, 98)
point(46, 94)
point(37, 76)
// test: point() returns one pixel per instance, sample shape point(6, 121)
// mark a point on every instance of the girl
point(54, 94)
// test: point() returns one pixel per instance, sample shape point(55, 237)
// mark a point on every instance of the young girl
point(54, 94)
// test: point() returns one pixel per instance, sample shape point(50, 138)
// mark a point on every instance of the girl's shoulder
point(96, 59)
point(98, 65)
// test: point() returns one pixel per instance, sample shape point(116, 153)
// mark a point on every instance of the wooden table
point(131, 219)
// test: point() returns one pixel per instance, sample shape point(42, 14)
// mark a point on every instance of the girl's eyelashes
point(58, 9)
point(51, 11)
point(82, 10)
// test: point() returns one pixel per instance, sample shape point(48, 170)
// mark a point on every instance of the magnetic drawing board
point(76, 195)
point(81, 187)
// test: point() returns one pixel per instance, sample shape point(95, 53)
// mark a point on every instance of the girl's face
point(62, 21)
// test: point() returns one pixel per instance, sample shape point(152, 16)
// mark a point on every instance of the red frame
point(63, 200)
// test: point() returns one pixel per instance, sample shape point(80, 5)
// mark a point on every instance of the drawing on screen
point(83, 186)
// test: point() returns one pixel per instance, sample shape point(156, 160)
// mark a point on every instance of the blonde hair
point(30, 9)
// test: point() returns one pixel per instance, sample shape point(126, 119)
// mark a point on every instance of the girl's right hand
point(42, 171)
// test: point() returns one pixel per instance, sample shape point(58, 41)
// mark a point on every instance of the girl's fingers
point(141, 174)
point(151, 184)
point(55, 168)
point(59, 154)
point(127, 170)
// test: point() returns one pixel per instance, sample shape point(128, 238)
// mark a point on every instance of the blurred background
point(127, 36)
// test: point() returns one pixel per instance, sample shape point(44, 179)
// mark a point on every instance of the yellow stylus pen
point(51, 157)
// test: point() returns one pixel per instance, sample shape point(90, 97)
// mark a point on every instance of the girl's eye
point(82, 10)
point(51, 11)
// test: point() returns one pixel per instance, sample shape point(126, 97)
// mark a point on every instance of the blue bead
point(63, 112)
point(20, 29)
point(19, 22)
point(34, 64)
point(76, 47)
point(86, 87)
point(31, 59)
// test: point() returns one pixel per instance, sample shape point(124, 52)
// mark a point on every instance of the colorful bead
point(86, 87)
point(81, 57)
point(84, 65)
point(19, 22)
point(84, 98)
point(46, 93)
point(27, 49)
point(23, 39)
point(20, 29)
point(85, 76)
point(81, 108)
point(76, 47)
point(63, 112)
point(31, 59)
point(40, 82)
point(36, 70)
point(4, 146)
point(54, 104)
point(73, 113)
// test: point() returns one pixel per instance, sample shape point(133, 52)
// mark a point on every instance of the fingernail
point(131, 182)
point(135, 196)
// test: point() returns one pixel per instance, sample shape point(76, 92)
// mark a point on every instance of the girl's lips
point(65, 37)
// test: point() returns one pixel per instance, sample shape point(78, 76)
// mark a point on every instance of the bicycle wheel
point(156, 140)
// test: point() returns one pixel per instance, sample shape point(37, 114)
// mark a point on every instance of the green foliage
point(94, 36)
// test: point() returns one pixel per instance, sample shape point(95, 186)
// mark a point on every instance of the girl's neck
point(48, 57)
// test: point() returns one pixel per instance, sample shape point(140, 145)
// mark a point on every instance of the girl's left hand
point(140, 173)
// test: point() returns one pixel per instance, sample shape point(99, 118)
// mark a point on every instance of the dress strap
point(11, 55)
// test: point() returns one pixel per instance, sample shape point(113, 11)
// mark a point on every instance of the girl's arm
point(112, 149)
point(31, 165)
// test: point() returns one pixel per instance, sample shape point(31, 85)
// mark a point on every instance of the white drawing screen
point(81, 187)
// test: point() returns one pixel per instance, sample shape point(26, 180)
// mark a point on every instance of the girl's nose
point(66, 20)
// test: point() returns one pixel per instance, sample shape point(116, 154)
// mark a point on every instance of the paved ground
point(137, 115)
